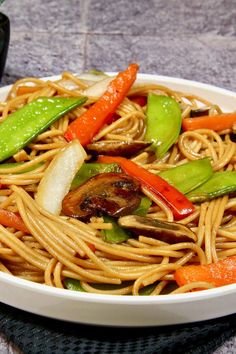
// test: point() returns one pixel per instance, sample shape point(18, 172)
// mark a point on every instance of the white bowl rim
point(126, 299)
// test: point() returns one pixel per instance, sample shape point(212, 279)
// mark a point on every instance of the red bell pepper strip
point(175, 200)
point(221, 273)
point(86, 126)
point(217, 122)
point(10, 219)
point(141, 100)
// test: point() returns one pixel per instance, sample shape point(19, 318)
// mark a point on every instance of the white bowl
point(113, 310)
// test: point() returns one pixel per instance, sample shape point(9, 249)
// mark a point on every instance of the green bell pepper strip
point(89, 170)
point(188, 176)
point(219, 184)
point(24, 125)
point(117, 234)
point(163, 122)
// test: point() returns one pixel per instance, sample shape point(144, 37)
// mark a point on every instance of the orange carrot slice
point(221, 273)
point(23, 90)
point(218, 122)
point(86, 126)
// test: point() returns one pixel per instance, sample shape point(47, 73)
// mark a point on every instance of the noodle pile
point(57, 247)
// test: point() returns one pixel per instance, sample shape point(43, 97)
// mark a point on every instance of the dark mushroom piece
point(114, 194)
point(198, 112)
point(169, 232)
point(117, 148)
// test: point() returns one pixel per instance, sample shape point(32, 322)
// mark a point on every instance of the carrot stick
point(23, 90)
point(86, 126)
point(10, 219)
point(218, 122)
point(221, 273)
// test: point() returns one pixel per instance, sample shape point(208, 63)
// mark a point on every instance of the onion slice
point(57, 179)
point(98, 89)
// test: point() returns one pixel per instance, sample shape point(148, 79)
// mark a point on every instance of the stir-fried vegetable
point(188, 176)
point(219, 184)
point(116, 147)
point(91, 169)
point(217, 122)
point(140, 100)
point(10, 219)
point(221, 273)
point(116, 234)
point(113, 194)
point(163, 122)
point(170, 232)
point(57, 179)
point(143, 207)
point(99, 88)
point(176, 201)
point(199, 112)
point(22, 126)
point(75, 285)
point(16, 164)
point(25, 90)
point(89, 123)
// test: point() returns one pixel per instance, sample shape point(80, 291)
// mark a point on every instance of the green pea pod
point(219, 184)
point(22, 126)
point(73, 284)
point(188, 176)
point(115, 235)
point(143, 207)
point(16, 164)
point(163, 122)
point(89, 170)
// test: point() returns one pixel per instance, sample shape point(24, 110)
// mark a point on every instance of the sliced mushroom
point(114, 194)
point(203, 111)
point(117, 148)
point(169, 232)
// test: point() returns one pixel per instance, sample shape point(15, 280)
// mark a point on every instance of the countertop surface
point(186, 39)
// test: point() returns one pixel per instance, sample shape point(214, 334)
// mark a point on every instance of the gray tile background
point(189, 39)
point(192, 39)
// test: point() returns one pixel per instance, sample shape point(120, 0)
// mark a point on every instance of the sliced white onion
point(68, 84)
point(57, 179)
point(98, 89)
point(90, 77)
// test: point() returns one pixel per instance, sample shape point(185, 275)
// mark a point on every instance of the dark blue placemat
point(35, 334)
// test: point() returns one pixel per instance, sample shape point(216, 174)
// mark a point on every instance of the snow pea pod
point(163, 122)
point(75, 285)
point(188, 176)
point(16, 164)
point(143, 207)
point(89, 170)
point(116, 234)
point(22, 126)
point(219, 184)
